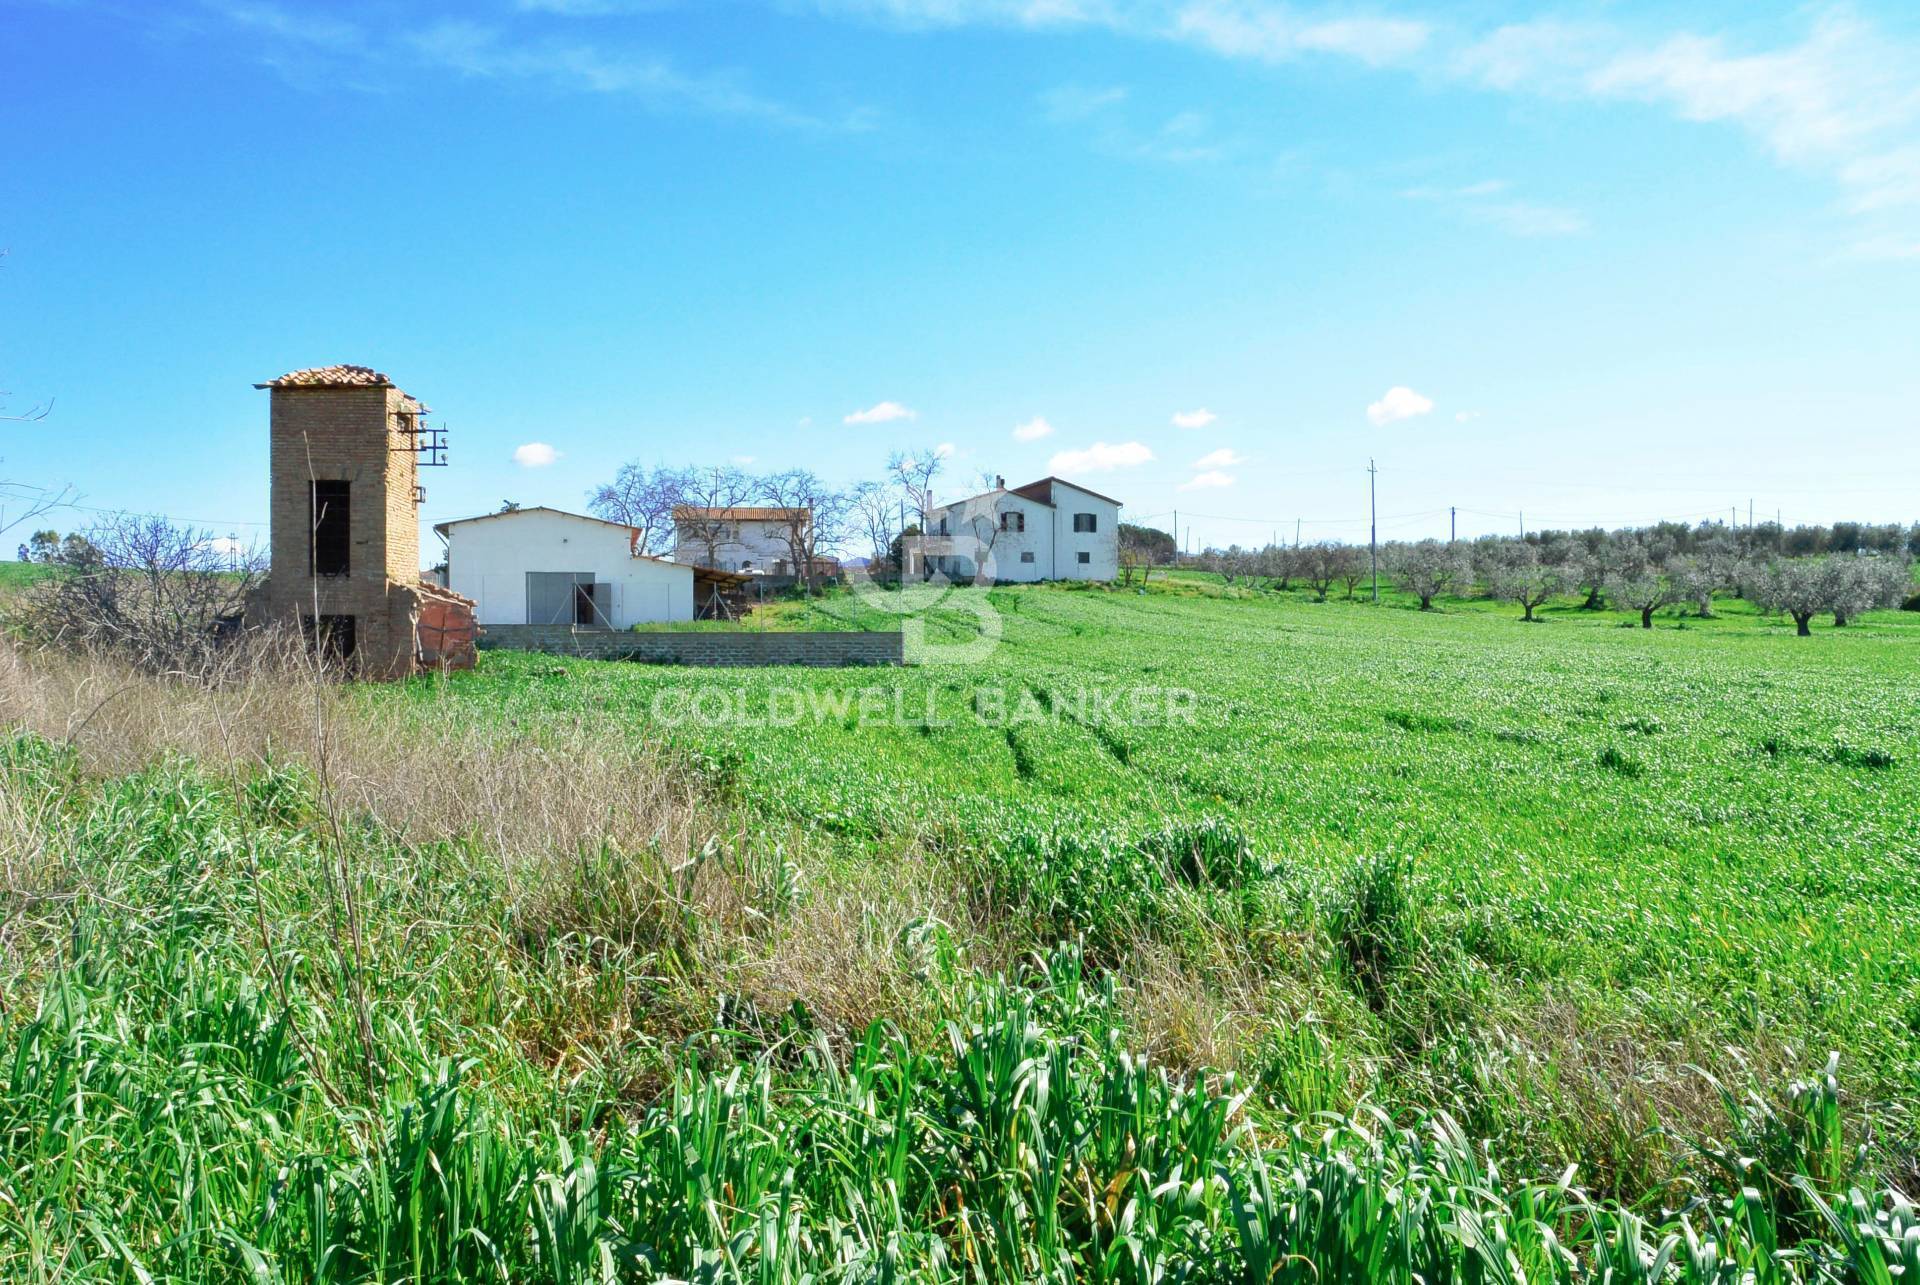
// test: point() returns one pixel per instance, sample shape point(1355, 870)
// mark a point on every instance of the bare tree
point(1428, 569)
point(813, 517)
point(914, 474)
point(1527, 579)
point(643, 499)
point(707, 516)
point(159, 595)
point(21, 504)
point(874, 513)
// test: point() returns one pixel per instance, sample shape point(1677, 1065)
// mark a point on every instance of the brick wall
point(350, 434)
point(743, 648)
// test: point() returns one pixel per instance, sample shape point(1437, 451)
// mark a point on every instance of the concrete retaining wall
point(717, 648)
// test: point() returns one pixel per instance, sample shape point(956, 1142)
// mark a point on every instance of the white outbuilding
point(542, 566)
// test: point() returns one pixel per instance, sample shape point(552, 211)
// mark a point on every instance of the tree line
point(1842, 570)
point(689, 506)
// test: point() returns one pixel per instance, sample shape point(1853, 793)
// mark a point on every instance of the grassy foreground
point(1535, 875)
point(471, 981)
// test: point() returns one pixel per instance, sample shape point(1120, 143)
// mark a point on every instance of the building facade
point(344, 542)
point(742, 538)
point(542, 566)
point(1051, 529)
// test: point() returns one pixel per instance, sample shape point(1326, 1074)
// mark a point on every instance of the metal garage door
point(568, 598)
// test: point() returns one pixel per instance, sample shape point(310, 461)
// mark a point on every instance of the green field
point(1673, 842)
point(18, 575)
point(1408, 946)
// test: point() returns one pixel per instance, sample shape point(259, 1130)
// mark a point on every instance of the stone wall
point(720, 647)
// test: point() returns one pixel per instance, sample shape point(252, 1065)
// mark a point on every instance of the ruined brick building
point(347, 447)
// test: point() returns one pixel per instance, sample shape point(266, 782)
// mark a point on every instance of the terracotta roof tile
point(330, 377)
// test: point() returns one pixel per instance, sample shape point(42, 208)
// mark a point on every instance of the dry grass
point(600, 838)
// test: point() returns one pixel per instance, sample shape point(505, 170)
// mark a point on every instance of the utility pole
point(1296, 533)
point(1453, 524)
point(1523, 526)
point(1749, 510)
point(1373, 526)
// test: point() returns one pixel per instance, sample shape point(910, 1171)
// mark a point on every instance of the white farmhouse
point(1045, 530)
point(743, 537)
point(542, 566)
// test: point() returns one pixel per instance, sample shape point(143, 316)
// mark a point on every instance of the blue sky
point(1602, 262)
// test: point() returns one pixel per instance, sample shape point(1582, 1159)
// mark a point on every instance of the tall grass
point(179, 1096)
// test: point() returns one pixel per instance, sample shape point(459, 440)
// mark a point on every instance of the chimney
point(999, 483)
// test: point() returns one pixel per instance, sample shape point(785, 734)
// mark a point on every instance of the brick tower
point(345, 544)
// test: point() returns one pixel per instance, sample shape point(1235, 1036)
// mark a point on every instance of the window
point(1085, 557)
point(1027, 556)
point(332, 637)
point(943, 526)
point(330, 545)
point(1083, 522)
point(1013, 522)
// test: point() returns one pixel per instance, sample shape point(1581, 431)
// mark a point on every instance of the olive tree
point(1803, 588)
point(1526, 578)
point(1867, 584)
point(1640, 581)
point(1713, 566)
point(1428, 569)
point(1318, 566)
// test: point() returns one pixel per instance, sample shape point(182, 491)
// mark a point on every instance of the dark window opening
point(1026, 557)
point(331, 543)
point(1013, 522)
point(334, 638)
point(1085, 556)
point(1086, 522)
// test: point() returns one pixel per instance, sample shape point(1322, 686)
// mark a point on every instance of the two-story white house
point(1051, 529)
point(743, 538)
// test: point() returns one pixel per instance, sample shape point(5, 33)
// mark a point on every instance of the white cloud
point(1842, 101)
point(1205, 481)
point(1225, 457)
point(1463, 416)
point(881, 413)
point(955, 13)
point(1100, 458)
point(496, 53)
point(1193, 418)
point(743, 460)
point(227, 546)
point(1398, 403)
point(944, 451)
point(534, 455)
point(1246, 29)
point(1033, 430)
point(1486, 202)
